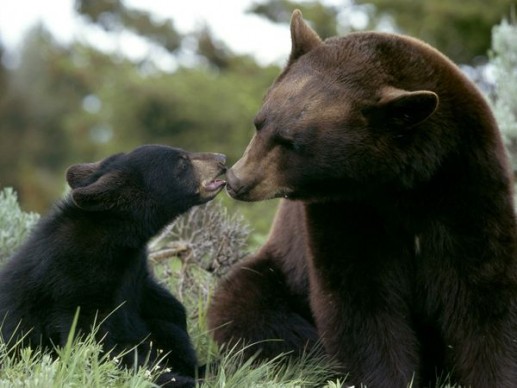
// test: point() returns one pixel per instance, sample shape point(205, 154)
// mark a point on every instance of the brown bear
point(396, 246)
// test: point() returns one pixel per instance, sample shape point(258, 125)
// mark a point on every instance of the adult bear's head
point(354, 115)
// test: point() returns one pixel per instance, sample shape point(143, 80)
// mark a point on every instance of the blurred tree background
point(460, 29)
point(63, 104)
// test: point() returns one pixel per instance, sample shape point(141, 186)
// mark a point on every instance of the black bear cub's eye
point(182, 163)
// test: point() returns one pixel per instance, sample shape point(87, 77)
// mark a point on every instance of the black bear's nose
point(220, 158)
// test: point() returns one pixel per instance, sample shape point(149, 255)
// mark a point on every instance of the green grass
point(234, 371)
point(82, 363)
point(194, 287)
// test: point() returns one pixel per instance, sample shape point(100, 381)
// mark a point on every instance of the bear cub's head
point(153, 183)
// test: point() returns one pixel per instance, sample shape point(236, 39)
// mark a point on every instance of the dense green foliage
point(69, 104)
point(323, 18)
point(63, 104)
point(461, 29)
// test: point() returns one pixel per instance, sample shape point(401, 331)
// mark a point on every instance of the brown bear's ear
point(78, 174)
point(103, 194)
point(404, 109)
point(303, 38)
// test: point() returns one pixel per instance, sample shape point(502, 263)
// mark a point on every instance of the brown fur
point(399, 236)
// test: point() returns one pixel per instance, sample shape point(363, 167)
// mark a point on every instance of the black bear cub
point(90, 253)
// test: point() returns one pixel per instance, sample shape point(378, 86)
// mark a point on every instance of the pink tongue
point(214, 185)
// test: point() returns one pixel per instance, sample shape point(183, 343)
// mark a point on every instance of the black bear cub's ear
point(402, 109)
point(102, 194)
point(79, 174)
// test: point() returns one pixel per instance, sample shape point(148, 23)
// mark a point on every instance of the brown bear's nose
point(234, 185)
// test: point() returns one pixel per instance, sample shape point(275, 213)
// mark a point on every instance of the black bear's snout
point(209, 156)
point(208, 167)
point(221, 159)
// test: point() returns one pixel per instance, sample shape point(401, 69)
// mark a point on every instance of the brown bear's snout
point(243, 189)
point(234, 185)
point(253, 181)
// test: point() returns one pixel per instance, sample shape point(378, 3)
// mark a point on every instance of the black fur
point(90, 253)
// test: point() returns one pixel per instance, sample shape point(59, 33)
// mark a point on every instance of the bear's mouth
point(211, 185)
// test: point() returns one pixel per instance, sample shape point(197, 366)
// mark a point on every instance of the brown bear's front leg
point(372, 341)
point(264, 300)
point(253, 306)
point(480, 336)
point(360, 295)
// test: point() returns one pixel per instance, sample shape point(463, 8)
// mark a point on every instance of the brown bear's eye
point(286, 142)
point(259, 123)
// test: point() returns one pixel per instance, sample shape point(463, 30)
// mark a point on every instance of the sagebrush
point(15, 224)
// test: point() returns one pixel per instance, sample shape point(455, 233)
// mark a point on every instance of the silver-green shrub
point(207, 235)
point(504, 100)
point(15, 224)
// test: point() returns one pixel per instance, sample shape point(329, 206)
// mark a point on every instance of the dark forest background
point(63, 104)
